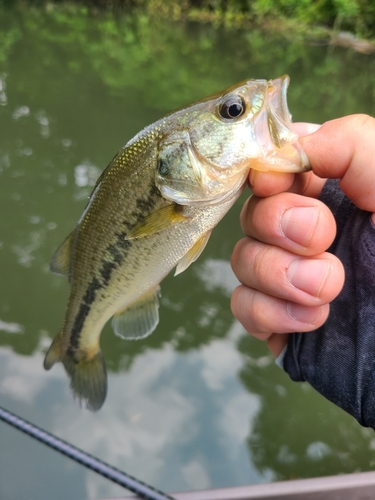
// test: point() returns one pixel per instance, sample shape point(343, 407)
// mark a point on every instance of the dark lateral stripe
point(106, 271)
point(116, 254)
point(127, 224)
point(147, 203)
point(91, 291)
point(122, 242)
point(78, 324)
point(84, 310)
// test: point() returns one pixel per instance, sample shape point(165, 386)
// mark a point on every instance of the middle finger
point(282, 274)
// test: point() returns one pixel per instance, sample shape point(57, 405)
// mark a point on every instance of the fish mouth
point(278, 115)
point(282, 151)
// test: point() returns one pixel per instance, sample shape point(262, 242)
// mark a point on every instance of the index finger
point(345, 149)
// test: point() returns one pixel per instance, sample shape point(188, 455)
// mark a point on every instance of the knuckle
point(263, 218)
point(234, 301)
point(237, 257)
point(248, 310)
point(260, 261)
point(364, 121)
point(259, 315)
point(265, 266)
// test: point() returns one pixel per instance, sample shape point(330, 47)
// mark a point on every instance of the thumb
point(345, 149)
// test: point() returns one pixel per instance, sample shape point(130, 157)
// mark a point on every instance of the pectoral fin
point(193, 253)
point(140, 319)
point(60, 262)
point(157, 221)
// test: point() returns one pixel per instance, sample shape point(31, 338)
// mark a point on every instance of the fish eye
point(232, 108)
point(163, 168)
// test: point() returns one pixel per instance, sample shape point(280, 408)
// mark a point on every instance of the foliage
point(353, 15)
point(357, 16)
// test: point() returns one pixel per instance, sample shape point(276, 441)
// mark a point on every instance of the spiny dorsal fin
point(157, 221)
point(140, 319)
point(60, 263)
point(193, 253)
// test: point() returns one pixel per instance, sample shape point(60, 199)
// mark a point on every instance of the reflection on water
point(294, 432)
point(175, 419)
point(198, 404)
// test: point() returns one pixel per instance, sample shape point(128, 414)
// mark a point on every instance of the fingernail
point(304, 128)
point(304, 314)
point(312, 127)
point(309, 275)
point(298, 224)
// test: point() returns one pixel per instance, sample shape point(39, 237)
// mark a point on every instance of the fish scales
point(100, 263)
point(154, 208)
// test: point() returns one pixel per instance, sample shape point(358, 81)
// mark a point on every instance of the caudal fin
point(88, 377)
point(88, 380)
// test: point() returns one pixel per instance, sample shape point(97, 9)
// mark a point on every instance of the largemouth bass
point(153, 209)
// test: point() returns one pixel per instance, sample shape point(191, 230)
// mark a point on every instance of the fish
point(153, 209)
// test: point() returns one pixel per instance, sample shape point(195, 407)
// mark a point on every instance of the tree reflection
point(297, 433)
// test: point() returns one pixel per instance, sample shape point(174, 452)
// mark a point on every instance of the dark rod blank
point(130, 483)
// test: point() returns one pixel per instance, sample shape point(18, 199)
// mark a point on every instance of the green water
point(199, 404)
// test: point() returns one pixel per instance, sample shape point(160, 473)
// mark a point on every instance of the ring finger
point(284, 275)
point(263, 315)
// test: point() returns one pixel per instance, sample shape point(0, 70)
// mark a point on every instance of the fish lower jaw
point(285, 159)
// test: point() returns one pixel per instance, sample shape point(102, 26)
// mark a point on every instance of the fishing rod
point(138, 487)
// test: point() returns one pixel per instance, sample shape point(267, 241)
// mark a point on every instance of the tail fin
point(88, 377)
point(88, 380)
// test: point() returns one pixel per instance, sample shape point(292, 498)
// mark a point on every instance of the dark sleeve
point(338, 359)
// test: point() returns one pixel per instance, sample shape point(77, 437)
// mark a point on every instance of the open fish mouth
point(282, 151)
point(262, 138)
point(279, 118)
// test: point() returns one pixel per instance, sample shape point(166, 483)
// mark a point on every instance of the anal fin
point(140, 319)
point(192, 255)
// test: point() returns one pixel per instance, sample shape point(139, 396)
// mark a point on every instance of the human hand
point(288, 279)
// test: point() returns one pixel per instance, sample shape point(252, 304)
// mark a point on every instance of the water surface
point(199, 404)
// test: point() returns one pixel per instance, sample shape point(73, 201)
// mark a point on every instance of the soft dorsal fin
point(193, 253)
point(140, 319)
point(60, 262)
point(157, 221)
